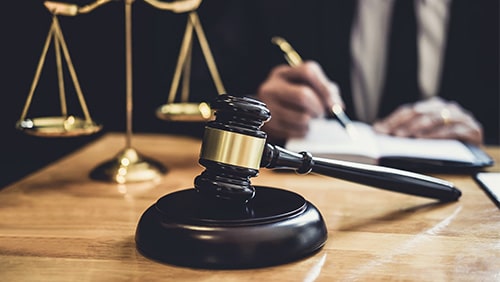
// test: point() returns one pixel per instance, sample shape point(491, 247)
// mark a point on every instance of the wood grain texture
point(59, 225)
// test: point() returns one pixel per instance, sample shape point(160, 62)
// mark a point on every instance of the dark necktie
point(401, 82)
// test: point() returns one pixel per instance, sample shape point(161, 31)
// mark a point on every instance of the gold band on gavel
point(232, 148)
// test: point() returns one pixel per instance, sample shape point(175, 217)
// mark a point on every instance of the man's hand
point(432, 118)
point(295, 95)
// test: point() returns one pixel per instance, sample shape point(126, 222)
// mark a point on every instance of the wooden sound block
point(184, 228)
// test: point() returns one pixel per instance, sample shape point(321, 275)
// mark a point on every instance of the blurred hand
point(295, 95)
point(432, 118)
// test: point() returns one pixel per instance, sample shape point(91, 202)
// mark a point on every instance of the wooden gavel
point(234, 148)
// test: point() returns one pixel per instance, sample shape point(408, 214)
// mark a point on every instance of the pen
point(293, 58)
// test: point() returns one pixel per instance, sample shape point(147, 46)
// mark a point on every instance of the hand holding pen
point(296, 95)
point(334, 105)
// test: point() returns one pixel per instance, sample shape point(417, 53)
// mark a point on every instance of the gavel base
point(277, 226)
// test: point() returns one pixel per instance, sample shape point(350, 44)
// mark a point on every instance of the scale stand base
point(185, 229)
point(128, 166)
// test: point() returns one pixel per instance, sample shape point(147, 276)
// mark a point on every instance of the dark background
point(96, 42)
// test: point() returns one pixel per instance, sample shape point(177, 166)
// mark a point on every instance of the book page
point(328, 139)
point(434, 149)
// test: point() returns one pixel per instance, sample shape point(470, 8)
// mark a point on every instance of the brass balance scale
point(128, 165)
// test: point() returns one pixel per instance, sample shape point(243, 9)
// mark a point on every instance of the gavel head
point(232, 149)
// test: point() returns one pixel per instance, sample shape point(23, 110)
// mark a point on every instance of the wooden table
point(59, 225)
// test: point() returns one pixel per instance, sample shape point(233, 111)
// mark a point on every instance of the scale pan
point(58, 126)
point(192, 112)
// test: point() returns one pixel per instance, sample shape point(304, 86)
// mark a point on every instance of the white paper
point(327, 138)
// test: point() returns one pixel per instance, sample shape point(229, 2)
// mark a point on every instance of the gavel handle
point(395, 180)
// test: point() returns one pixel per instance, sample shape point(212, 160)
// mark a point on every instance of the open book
point(328, 139)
